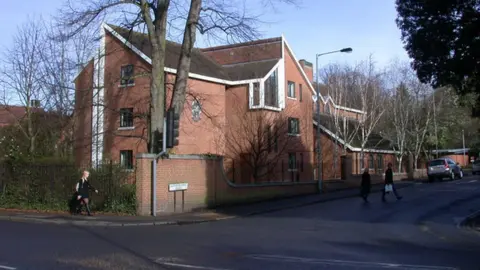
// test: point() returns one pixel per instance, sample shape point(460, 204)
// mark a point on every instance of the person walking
point(389, 181)
point(82, 189)
point(365, 185)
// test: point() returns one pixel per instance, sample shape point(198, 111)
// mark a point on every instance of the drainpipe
point(154, 168)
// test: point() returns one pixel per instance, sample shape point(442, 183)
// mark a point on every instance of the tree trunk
point(400, 160)
point(157, 32)
point(31, 134)
point(183, 68)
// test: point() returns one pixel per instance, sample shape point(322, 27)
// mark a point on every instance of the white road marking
point(472, 181)
point(280, 258)
point(176, 262)
point(191, 266)
point(7, 267)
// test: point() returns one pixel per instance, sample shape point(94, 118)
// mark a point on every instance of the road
point(418, 232)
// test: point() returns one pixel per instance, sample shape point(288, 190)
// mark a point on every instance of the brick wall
point(459, 159)
point(207, 185)
point(83, 116)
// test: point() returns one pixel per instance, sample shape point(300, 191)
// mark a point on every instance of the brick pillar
point(144, 184)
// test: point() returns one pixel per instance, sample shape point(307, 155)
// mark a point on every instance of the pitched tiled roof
point(201, 63)
point(11, 114)
point(375, 140)
point(250, 70)
point(249, 43)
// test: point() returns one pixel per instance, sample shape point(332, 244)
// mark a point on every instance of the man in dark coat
point(365, 185)
point(389, 181)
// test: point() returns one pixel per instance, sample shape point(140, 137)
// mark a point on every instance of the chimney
point(307, 68)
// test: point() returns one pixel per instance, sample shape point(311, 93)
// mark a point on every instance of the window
point(126, 75)
point(380, 162)
point(126, 159)
point(256, 94)
point(271, 90)
point(291, 89)
point(292, 161)
point(301, 162)
point(126, 117)
point(300, 92)
point(370, 162)
point(293, 126)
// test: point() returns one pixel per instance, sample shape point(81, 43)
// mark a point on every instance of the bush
point(48, 184)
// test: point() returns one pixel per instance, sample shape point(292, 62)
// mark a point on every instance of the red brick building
point(226, 84)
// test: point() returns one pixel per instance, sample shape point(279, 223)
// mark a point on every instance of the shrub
point(48, 184)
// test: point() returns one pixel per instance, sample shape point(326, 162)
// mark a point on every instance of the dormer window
point(271, 89)
point(269, 92)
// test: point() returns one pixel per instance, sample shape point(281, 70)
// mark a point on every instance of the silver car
point(443, 168)
point(476, 167)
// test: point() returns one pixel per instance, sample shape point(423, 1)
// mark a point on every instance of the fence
point(50, 186)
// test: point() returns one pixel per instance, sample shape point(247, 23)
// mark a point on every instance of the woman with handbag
point(389, 186)
point(82, 190)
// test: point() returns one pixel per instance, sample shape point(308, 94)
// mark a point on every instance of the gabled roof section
point(255, 65)
point(309, 84)
point(201, 63)
point(375, 144)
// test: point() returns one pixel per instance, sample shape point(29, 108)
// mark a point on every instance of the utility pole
point(435, 124)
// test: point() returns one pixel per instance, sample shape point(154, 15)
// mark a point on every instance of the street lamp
point(316, 99)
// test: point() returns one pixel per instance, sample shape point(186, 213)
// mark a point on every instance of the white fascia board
point(300, 68)
point(221, 81)
point(348, 109)
point(351, 148)
point(172, 70)
point(308, 81)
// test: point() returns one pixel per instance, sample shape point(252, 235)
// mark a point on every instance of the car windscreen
point(436, 162)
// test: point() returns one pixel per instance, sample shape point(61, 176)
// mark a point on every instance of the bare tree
point(421, 117)
point(400, 106)
point(211, 17)
point(61, 59)
point(373, 96)
point(20, 78)
point(340, 83)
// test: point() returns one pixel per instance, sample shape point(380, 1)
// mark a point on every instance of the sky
point(317, 26)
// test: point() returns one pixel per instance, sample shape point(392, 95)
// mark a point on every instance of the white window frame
point(290, 85)
point(123, 160)
point(281, 89)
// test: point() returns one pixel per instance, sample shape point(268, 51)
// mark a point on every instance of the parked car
point(476, 166)
point(443, 168)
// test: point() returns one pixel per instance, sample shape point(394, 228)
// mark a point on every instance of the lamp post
point(316, 99)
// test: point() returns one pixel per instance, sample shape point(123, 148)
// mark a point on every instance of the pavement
point(188, 218)
point(421, 232)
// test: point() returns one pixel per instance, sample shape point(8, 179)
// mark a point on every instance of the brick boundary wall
point(208, 185)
